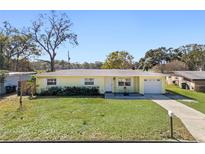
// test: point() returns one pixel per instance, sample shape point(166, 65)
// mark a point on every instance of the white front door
point(108, 84)
point(152, 86)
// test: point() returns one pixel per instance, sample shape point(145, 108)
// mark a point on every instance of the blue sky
point(101, 32)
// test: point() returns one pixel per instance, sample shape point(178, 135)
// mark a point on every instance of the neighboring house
point(12, 79)
point(192, 80)
point(107, 80)
point(173, 79)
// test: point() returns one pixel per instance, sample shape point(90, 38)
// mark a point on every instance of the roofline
point(96, 75)
point(20, 73)
point(190, 79)
point(198, 79)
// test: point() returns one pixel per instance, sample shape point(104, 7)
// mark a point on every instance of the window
point(120, 82)
point(51, 81)
point(89, 81)
point(127, 82)
point(124, 82)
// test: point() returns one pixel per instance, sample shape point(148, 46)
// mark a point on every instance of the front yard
point(198, 96)
point(86, 119)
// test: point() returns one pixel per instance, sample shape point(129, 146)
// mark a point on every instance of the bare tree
point(50, 31)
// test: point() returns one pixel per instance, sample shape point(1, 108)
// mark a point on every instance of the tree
point(50, 31)
point(26, 49)
point(8, 42)
point(3, 40)
point(15, 46)
point(154, 57)
point(118, 60)
point(2, 76)
point(193, 55)
point(174, 65)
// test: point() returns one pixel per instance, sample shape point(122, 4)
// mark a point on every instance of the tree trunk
point(17, 64)
point(8, 63)
point(52, 64)
point(21, 93)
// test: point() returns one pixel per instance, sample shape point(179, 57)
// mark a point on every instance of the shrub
point(70, 91)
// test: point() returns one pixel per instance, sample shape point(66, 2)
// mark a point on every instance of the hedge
point(70, 91)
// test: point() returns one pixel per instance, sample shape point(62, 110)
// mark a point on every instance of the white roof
point(99, 72)
point(193, 75)
point(21, 73)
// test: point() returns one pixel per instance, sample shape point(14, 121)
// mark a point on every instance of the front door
point(108, 84)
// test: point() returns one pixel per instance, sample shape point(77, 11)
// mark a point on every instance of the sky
point(101, 32)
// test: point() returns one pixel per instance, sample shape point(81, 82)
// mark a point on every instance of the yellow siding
point(69, 81)
point(134, 84)
point(141, 81)
point(114, 88)
point(137, 83)
point(120, 89)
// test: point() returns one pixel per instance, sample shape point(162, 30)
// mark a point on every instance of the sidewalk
point(192, 119)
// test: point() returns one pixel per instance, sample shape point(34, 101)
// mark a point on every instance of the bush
point(70, 91)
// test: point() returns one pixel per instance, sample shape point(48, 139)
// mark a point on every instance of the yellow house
point(107, 80)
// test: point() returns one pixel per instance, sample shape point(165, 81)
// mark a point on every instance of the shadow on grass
point(7, 95)
point(175, 95)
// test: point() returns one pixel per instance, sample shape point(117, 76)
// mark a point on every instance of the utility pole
point(68, 60)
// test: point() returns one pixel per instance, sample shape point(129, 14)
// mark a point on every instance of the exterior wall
point(134, 88)
point(41, 82)
point(180, 81)
point(193, 85)
point(137, 83)
point(114, 87)
point(169, 80)
point(141, 81)
point(189, 83)
point(12, 80)
point(199, 85)
point(172, 79)
point(120, 89)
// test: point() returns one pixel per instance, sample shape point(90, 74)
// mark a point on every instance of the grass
point(86, 119)
point(198, 96)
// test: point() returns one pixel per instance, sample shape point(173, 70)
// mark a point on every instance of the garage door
point(152, 86)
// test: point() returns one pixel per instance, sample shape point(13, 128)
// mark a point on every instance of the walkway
point(192, 119)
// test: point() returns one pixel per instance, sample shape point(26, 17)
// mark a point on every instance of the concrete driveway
point(192, 119)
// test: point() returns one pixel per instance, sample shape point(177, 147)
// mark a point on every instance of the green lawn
point(199, 96)
point(86, 119)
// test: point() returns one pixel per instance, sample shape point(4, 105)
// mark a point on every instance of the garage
point(152, 86)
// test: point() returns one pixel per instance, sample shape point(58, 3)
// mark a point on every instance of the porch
point(134, 85)
point(122, 85)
